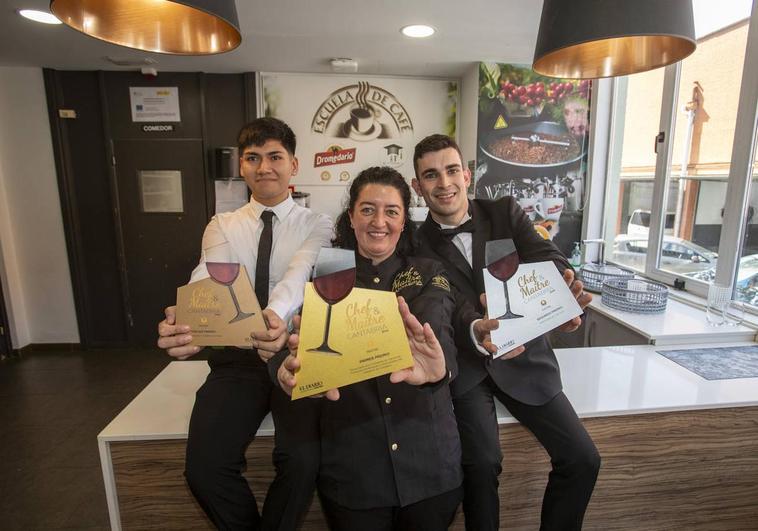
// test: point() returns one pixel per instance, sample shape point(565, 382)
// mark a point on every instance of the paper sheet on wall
point(155, 104)
point(161, 191)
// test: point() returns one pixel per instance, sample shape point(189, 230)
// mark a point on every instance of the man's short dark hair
point(431, 144)
point(261, 130)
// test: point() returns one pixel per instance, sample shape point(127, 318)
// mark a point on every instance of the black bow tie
point(468, 226)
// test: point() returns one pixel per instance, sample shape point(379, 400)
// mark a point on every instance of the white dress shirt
point(464, 242)
point(298, 234)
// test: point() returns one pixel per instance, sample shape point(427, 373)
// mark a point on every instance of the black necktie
point(468, 226)
point(264, 257)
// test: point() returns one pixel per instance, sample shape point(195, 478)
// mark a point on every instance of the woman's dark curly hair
point(384, 175)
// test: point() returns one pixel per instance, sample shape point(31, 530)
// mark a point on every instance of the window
point(746, 282)
point(630, 184)
point(705, 115)
point(691, 199)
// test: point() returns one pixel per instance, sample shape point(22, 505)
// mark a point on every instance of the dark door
point(127, 257)
point(161, 197)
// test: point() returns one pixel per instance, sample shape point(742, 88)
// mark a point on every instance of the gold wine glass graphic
point(333, 279)
point(226, 273)
point(502, 263)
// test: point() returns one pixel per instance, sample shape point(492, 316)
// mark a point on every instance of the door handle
point(659, 138)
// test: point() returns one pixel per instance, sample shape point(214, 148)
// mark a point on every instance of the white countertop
point(607, 381)
point(599, 381)
point(679, 324)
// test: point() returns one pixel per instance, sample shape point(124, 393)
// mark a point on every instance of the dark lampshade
point(603, 38)
point(200, 27)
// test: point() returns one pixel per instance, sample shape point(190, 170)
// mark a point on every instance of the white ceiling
point(303, 35)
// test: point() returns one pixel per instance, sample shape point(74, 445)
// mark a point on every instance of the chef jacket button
point(377, 280)
point(388, 400)
point(394, 446)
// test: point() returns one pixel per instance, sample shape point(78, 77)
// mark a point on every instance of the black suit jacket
point(533, 377)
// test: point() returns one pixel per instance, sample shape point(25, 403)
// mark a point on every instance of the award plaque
point(333, 279)
point(221, 310)
point(531, 301)
point(502, 262)
point(347, 334)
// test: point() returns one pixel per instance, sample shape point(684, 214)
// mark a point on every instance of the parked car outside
point(639, 223)
point(677, 255)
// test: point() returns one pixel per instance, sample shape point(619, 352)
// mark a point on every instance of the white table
point(600, 382)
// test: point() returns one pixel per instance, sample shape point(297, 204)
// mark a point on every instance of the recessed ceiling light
point(39, 16)
point(418, 31)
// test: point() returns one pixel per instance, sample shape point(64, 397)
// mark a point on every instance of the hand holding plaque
point(221, 310)
point(533, 293)
point(347, 334)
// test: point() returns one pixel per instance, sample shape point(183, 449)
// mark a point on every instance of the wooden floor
point(694, 470)
point(53, 403)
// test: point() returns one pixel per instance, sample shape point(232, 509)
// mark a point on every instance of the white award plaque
point(538, 301)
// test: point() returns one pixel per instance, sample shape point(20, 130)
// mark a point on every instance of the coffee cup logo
point(362, 112)
point(549, 208)
point(362, 120)
point(529, 206)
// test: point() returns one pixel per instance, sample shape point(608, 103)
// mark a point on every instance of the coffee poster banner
point(532, 145)
point(346, 123)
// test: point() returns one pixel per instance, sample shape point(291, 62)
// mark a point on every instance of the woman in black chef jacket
point(390, 453)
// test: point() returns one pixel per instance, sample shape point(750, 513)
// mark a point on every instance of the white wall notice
point(155, 104)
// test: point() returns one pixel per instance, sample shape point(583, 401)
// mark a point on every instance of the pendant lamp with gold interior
point(200, 27)
point(603, 38)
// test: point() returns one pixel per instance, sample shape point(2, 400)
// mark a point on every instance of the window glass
point(705, 118)
point(631, 176)
point(746, 285)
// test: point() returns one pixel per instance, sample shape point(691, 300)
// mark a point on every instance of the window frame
point(738, 182)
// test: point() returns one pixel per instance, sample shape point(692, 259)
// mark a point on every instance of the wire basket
point(635, 295)
point(593, 275)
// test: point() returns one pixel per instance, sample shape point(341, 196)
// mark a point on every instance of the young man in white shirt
point(238, 392)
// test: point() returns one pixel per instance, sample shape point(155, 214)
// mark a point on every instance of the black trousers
point(229, 408)
point(574, 458)
point(432, 514)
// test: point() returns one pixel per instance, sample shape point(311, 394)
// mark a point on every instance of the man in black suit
point(527, 379)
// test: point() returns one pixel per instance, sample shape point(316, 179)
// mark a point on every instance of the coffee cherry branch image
point(533, 94)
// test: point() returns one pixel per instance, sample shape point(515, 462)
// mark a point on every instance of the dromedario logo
point(334, 155)
point(362, 112)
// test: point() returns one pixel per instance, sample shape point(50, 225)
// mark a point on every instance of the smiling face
point(442, 180)
point(377, 219)
point(267, 170)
